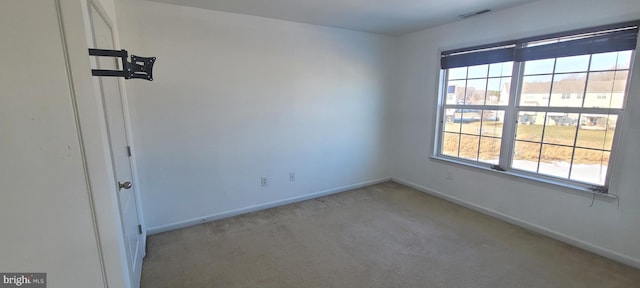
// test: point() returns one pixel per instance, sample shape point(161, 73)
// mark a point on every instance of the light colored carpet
point(385, 235)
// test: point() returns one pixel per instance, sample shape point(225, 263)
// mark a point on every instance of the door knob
point(125, 185)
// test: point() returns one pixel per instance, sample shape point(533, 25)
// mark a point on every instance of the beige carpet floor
point(385, 235)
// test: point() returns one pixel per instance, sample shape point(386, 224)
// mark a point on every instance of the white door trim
point(128, 127)
point(94, 143)
point(95, 11)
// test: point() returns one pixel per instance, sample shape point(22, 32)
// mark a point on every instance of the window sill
point(573, 187)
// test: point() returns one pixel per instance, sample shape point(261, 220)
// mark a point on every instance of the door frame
point(95, 148)
point(96, 4)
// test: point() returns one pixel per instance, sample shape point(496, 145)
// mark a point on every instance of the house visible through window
point(511, 106)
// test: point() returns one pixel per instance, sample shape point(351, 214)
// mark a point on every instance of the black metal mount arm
point(138, 68)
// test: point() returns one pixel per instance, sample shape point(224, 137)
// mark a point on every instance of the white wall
point(238, 97)
point(604, 228)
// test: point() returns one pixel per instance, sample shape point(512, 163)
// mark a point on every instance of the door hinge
point(129, 151)
point(140, 229)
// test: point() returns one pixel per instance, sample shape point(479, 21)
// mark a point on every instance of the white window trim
point(515, 174)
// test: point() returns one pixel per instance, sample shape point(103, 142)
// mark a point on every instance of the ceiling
point(393, 17)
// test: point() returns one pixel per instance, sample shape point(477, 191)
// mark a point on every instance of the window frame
point(509, 130)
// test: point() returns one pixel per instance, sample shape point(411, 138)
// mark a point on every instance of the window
point(476, 101)
point(509, 106)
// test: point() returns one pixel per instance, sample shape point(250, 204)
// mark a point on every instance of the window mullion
point(510, 118)
point(474, 107)
point(571, 110)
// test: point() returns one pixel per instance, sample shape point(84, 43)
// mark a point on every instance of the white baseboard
point(254, 208)
point(633, 262)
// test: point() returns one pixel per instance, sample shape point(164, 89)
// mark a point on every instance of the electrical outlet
point(264, 181)
point(292, 177)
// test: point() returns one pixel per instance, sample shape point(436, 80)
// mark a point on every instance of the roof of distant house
point(574, 86)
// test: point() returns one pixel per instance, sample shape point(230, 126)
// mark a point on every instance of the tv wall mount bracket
point(137, 68)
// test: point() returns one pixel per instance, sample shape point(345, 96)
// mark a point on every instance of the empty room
point(309, 143)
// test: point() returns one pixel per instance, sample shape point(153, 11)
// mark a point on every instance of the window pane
point(500, 69)
point(492, 123)
point(457, 73)
point(624, 60)
point(470, 121)
point(449, 124)
point(450, 144)
point(597, 136)
point(555, 161)
point(455, 92)
point(535, 90)
point(530, 125)
point(479, 71)
point(469, 146)
point(606, 89)
point(595, 122)
point(619, 89)
point(475, 93)
point(565, 88)
point(590, 166)
point(490, 150)
point(525, 156)
point(604, 61)
point(560, 128)
point(572, 64)
point(498, 90)
point(544, 66)
point(611, 61)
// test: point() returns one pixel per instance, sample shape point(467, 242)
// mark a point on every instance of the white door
point(116, 128)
